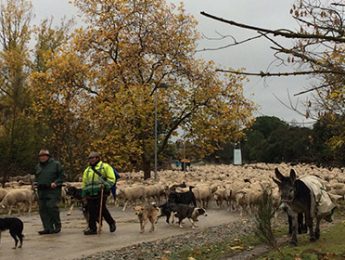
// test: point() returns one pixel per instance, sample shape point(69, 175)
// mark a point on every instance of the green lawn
point(330, 246)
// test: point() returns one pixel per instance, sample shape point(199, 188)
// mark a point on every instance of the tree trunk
point(146, 168)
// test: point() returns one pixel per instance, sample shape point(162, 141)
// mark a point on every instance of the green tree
point(327, 139)
point(273, 141)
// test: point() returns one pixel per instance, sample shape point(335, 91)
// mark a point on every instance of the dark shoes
point(90, 232)
point(112, 227)
point(58, 230)
point(44, 232)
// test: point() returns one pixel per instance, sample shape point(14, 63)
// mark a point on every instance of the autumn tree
point(134, 47)
point(15, 129)
point(54, 85)
point(106, 78)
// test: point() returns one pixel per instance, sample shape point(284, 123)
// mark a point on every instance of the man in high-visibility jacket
point(97, 176)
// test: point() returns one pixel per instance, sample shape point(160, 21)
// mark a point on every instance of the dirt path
point(71, 243)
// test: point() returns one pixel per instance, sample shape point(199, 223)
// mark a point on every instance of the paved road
point(71, 243)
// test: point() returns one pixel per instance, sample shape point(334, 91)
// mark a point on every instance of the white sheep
point(203, 194)
point(3, 193)
point(131, 194)
point(15, 197)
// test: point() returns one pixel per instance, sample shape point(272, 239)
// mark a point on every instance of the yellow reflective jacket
point(91, 183)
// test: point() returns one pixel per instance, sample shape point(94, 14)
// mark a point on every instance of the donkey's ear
point(276, 181)
point(278, 174)
point(293, 175)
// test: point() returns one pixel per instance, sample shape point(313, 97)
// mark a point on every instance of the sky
point(255, 56)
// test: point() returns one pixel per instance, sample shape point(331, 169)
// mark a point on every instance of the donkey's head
point(286, 185)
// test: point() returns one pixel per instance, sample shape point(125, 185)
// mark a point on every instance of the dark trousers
point(93, 206)
point(49, 213)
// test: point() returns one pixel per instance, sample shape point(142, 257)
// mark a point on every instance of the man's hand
point(53, 185)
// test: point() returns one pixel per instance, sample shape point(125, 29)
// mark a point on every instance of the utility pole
point(161, 85)
point(156, 136)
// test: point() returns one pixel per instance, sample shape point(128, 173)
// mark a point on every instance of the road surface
point(71, 243)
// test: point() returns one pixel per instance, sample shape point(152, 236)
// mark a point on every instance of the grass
point(331, 246)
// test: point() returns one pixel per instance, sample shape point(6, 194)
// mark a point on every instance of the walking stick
point(100, 211)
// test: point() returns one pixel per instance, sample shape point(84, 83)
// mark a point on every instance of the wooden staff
point(100, 211)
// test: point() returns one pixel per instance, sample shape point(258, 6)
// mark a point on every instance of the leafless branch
point(280, 32)
point(278, 74)
point(231, 44)
point(310, 90)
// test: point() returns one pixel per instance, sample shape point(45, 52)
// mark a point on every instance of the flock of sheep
point(224, 186)
point(235, 188)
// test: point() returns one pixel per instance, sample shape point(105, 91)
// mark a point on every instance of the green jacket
point(47, 173)
point(91, 183)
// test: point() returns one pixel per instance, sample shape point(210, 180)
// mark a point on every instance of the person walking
point(98, 178)
point(49, 176)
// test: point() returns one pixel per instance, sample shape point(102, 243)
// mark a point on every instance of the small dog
point(145, 214)
point(15, 226)
point(182, 211)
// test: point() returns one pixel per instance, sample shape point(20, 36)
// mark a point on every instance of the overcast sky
point(254, 56)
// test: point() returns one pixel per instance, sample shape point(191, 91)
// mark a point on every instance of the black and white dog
point(176, 198)
point(15, 226)
point(182, 211)
point(187, 197)
point(76, 198)
point(165, 210)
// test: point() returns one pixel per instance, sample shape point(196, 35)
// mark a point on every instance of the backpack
point(113, 188)
point(117, 175)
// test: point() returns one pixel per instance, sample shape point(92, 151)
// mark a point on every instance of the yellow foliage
point(96, 92)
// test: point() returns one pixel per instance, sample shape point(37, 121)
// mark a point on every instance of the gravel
point(161, 249)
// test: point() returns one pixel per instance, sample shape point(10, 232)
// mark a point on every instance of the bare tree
point(318, 47)
point(318, 50)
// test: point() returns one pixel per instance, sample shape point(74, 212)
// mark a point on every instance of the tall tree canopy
point(101, 85)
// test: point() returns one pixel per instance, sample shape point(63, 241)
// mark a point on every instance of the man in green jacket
point(48, 181)
point(97, 176)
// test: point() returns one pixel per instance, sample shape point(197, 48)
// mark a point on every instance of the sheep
point(16, 196)
point(131, 194)
point(3, 193)
point(222, 193)
point(154, 191)
point(203, 194)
